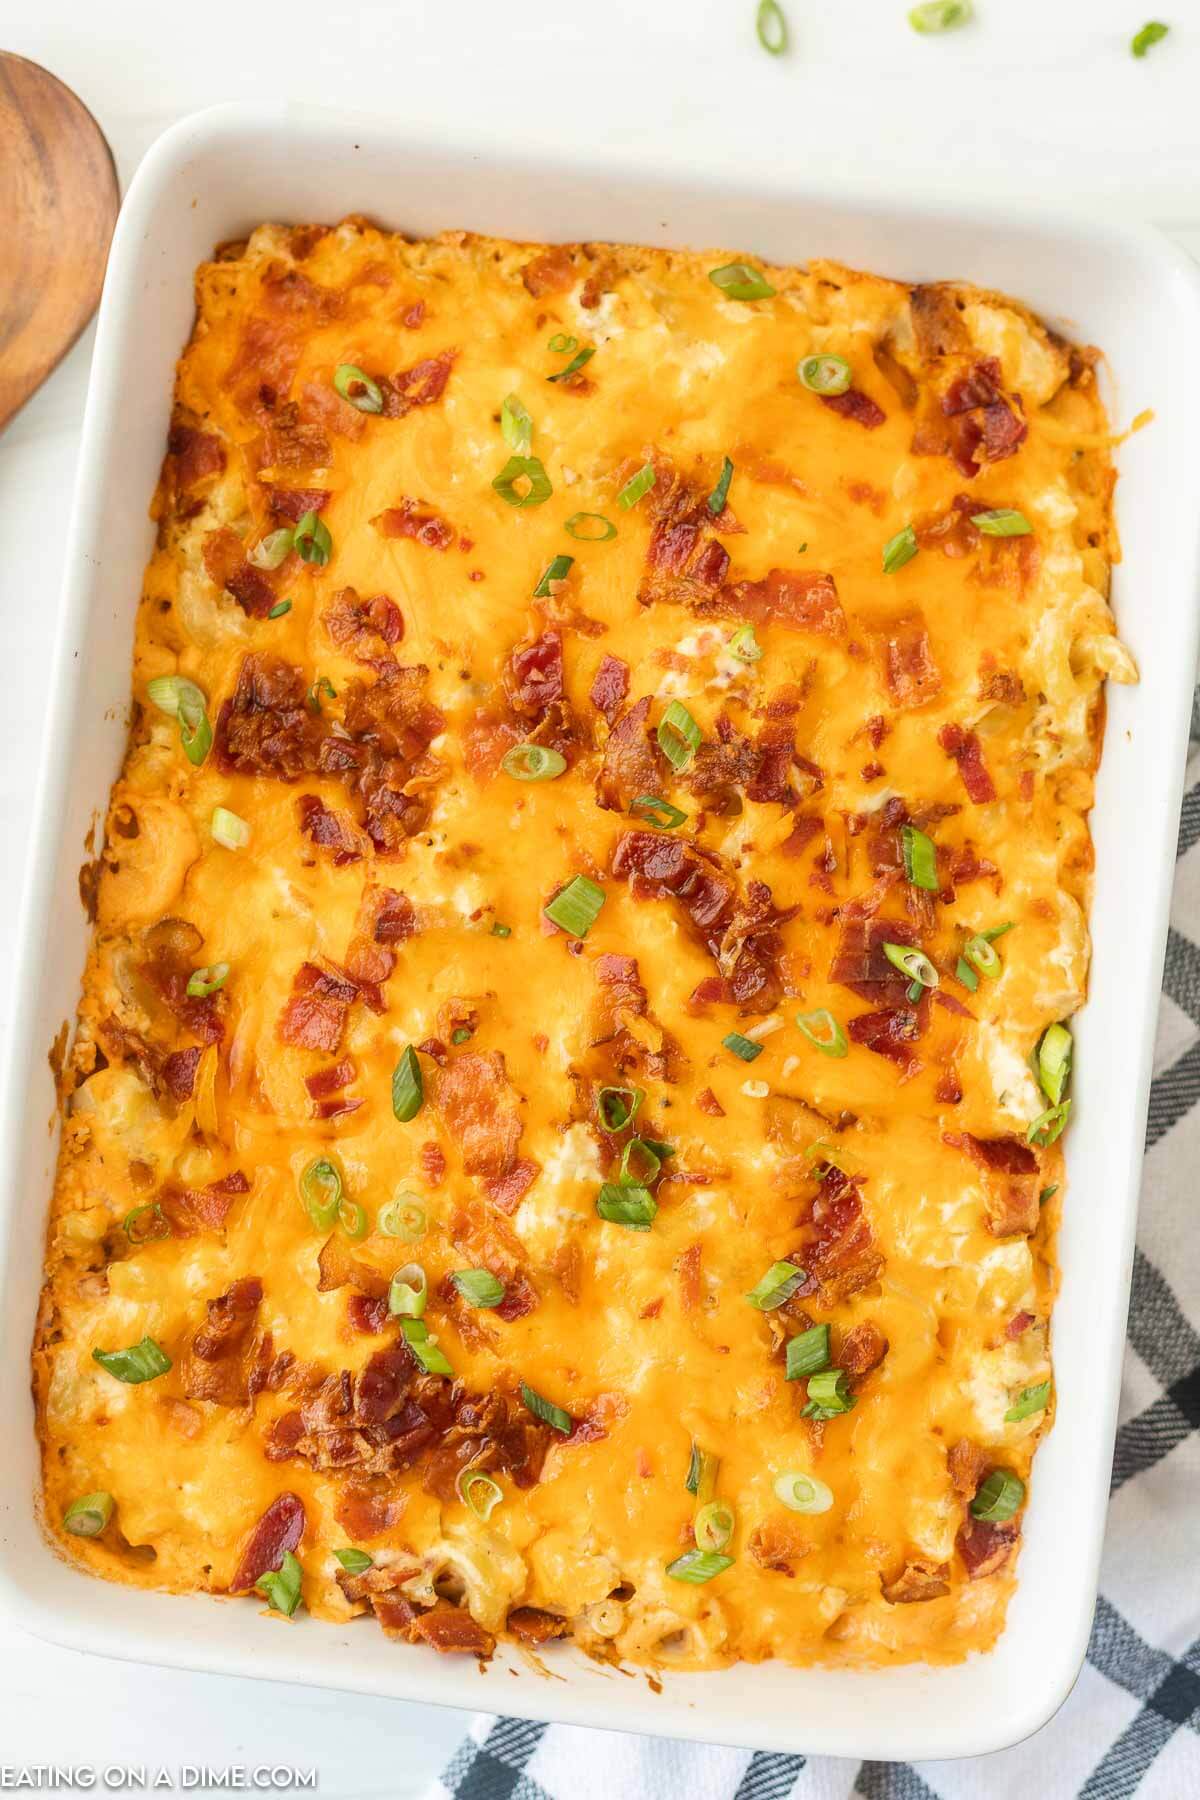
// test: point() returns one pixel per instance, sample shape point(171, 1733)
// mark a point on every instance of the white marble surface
point(1033, 97)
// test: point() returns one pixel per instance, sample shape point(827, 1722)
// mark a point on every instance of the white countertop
point(1032, 98)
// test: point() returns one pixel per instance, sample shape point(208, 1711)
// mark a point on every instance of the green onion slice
point(499, 930)
point(979, 953)
point(408, 1088)
point(701, 1478)
point(321, 1192)
point(311, 540)
point(280, 1588)
point(426, 1349)
point(808, 1353)
point(1030, 1400)
point(354, 385)
point(206, 981)
point(1047, 1193)
point(899, 550)
point(741, 281)
point(1049, 1126)
point(828, 1394)
point(575, 908)
point(590, 528)
point(146, 1224)
point(352, 1217)
point(516, 424)
point(777, 1285)
point(408, 1292)
point(533, 762)
point(278, 610)
point(719, 495)
point(618, 1106)
point(636, 486)
point(576, 363)
point(558, 571)
point(562, 345)
point(825, 374)
point(632, 1206)
point(228, 830)
point(641, 1161)
point(322, 685)
point(822, 1029)
point(403, 1217)
point(89, 1515)
point(478, 1287)
point(272, 550)
point(1002, 522)
point(713, 1526)
point(1152, 33)
point(697, 1566)
point(920, 859)
point(940, 15)
point(355, 1562)
point(803, 1493)
point(478, 1492)
point(965, 973)
point(1054, 1061)
point(744, 645)
point(743, 1047)
point(463, 1035)
point(679, 736)
point(547, 1411)
point(771, 27)
point(183, 700)
point(913, 963)
point(1002, 1494)
point(523, 481)
point(657, 812)
point(143, 1361)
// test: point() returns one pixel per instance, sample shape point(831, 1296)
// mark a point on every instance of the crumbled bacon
point(520, 1298)
point(477, 1104)
point(1018, 1325)
point(331, 1081)
point(551, 272)
point(861, 964)
point(967, 1464)
point(534, 678)
point(530, 1625)
point(207, 1207)
point(293, 503)
point(332, 413)
point(192, 457)
point(1008, 1154)
point(508, 1189)
point(315, 1015)
point(226, 565)
point(798, 599)
point(179, 1071)
point(863, 1348)
point(856, 405)
point(967, 751)
point(631, 762)
point(610, 687)
point(410, 519)
point(216, 1364)
point(804, 829)
point(985, 1547)
point(839, 1255)
point(290, 442)
point(919, 1580)
point(330, 830)
point(422, 385)
point(365, 1315)
point(364, 629)
point(280, 1529)
point(910, 671)
point(707, 1102)
point(977, 386)
point(431, 1159)
point(690, 1291)
point(265, 727)
point(451, 1631)
point(891, 1033)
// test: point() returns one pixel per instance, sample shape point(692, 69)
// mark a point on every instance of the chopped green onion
point(822, 1029)
point(713, 1526)
point(499, 930)
point(408, 1292)
point(979, 953)
point(803, 1493)
point(634, 1206)
point(321, 1192)
point(576, 363)
point(744, 1047)
point(462, 1035)
point(617, 1106)
point(1047, 1193)
point(828, 1394)
point(913, 963)
point(771, 27)
point(808, 1353)
point(719, 495)
point(899, 550)
point(478, 1492)
point(408, 1088)
point(575, 908)
point(825, 374)
point(516, 424)
point(272, 550)
point(574, 527)
point(965, 973)
point(1054, 1061)
point(636, 486)
point(352, 1217)
point(1001, 1495)
point(358, 388)
point(280, 1588)
point(1049, 1126)
point(426, 1349)
point(1030, 1400)
point(558, 571)
point(355, 1562)
point(89, 1515)
point(183, 700)
point(523, 481)
point(562, 345)
point(206, 981)
point(657, 812)
point(1002, 522)
point(278, 610)
point(532, 762)
point(547, 1411)
point(997, 931)
point(940, 15)
point(696, 1566)
point(777, 1285)
point(143, 1361)
point(228, 830)
point(322, 685)
point(920, 859)
point(650, 1153)
point(403, 1217)
point(701, 1478)
point(741, 281)
point(478, 1287)
point(311, 540)
point(1152, 33)
point(679, 736)
point(146, 1224)
point(744, 645)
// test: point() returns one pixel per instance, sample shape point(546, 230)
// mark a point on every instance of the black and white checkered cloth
point(1132, 1725)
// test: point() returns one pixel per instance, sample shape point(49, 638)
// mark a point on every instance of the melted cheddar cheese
point(391, 893)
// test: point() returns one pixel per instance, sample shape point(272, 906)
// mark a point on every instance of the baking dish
point(211, 178)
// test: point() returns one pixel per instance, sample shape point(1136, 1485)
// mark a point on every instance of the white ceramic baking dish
point(217, 174)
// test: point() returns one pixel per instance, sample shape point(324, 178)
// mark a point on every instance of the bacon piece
point(938, 324)
point(919, 1580)
point(891, 1033)
point(179, 1071)
point(840, 1256)
point(293, 503)
point(1003, 432)
point(856, 405)
point(707, 1102)
point(192, 457)
point(410, 519)
point(263, 366)
point(689, 1278)
point(967, 1465)
point(631, 760)
point(477, 1104)
point(530, 1625)
point(215, 1365)
point(610, 687)
point(286, 290)
point(509, 1189)
point(366, 1315)
point(863, 1348)
point(534, 679)
point(723, 766)
point(986, 1547)
point(967, 751)
point(332, 413)
point(552, 272)
point(364, 1513)
point(861, 964)
point(422, 385)
point(280, 1529)
point(977, 386)
point(338, 1267)
point(173, 947)
point(395, 918)
point(452, 1631)
point(797, 599)
point(331, 1081)
point(431, 1160)
point(315, 1015)
point(771, 781)
point(364, 629)
point(949, 1089)
point(208, 1206)
point(909, 669)
point(226, 566)
point(1012, 1209)
point(290, 442)
point(777, 1544)
point(1007, 1154)
point(330, 830)
point(521, 1298)
point(265, 727)
point(1019, 1324)
point(804, 829)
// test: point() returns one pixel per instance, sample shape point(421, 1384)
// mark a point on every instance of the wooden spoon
point(58, 201)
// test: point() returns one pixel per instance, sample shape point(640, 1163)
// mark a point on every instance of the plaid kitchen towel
point(1132, 1725)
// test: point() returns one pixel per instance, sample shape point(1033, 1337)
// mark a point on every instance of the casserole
point(914, 1712)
